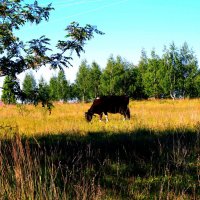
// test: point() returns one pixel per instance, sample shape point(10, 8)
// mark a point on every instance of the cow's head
point(88, 116)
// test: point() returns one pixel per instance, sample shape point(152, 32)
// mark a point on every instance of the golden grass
point(156, 115)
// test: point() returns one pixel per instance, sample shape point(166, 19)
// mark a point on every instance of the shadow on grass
point(141, 145)
point(122, 163)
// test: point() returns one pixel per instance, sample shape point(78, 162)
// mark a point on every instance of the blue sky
point(129, 26)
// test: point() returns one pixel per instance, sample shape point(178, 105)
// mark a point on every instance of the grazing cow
point(109, 104)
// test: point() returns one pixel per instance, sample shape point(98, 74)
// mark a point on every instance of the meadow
point(155, 155)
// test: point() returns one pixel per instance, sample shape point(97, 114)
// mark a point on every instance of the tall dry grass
point(155, 155)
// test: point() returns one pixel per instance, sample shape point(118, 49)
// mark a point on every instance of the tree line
point(175, 74)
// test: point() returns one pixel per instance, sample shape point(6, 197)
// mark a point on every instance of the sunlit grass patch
point(155, 115)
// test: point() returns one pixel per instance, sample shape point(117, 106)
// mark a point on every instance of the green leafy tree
point(152, 78)
point(83, 80)
point(59, 87)
point(107, 78)
point(63, 86)
point(196, 91)
point(134, 86)
point(123, 82)
point(8, 94)
point(95, 77)
point(181, 69)
point(142, 68)
point(43, 93)
point(188, 71)
point(29, 87)
point(53, 88)
point(74, 92)
point(17, 56)
point(171, 62)
point(113, 77)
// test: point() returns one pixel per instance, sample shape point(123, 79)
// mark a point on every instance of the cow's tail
point(128, 114)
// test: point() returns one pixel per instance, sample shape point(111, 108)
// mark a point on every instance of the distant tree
point(95, 77)
point(142, 68)
point(181, 68)
point(107, 78)
point(43, 93)
point(171, 62)
point(8, 94)
point(62, 86)
point(196, 91)
point(113, 77)
point(188, 71)
point(125, 79)
point(152, 78)
point(53, 88)
point(83, 80)
point(74, 92)
point(134, 87)
point(29, 87)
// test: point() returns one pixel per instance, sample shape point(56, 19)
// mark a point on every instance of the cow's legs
point(100, 117)
point(106, 115)
point(106, 118)
point(124, 119)
point(126, 114)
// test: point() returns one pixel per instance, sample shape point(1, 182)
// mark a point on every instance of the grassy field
point(155, 155)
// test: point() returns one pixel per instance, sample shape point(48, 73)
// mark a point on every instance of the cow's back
point(111, 104)
point(116, 104)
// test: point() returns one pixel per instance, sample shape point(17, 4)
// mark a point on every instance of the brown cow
point(109, 104)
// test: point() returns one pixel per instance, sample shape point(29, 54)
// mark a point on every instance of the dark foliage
point(17, 56)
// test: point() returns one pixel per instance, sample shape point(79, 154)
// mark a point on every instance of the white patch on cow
point(106, 118)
